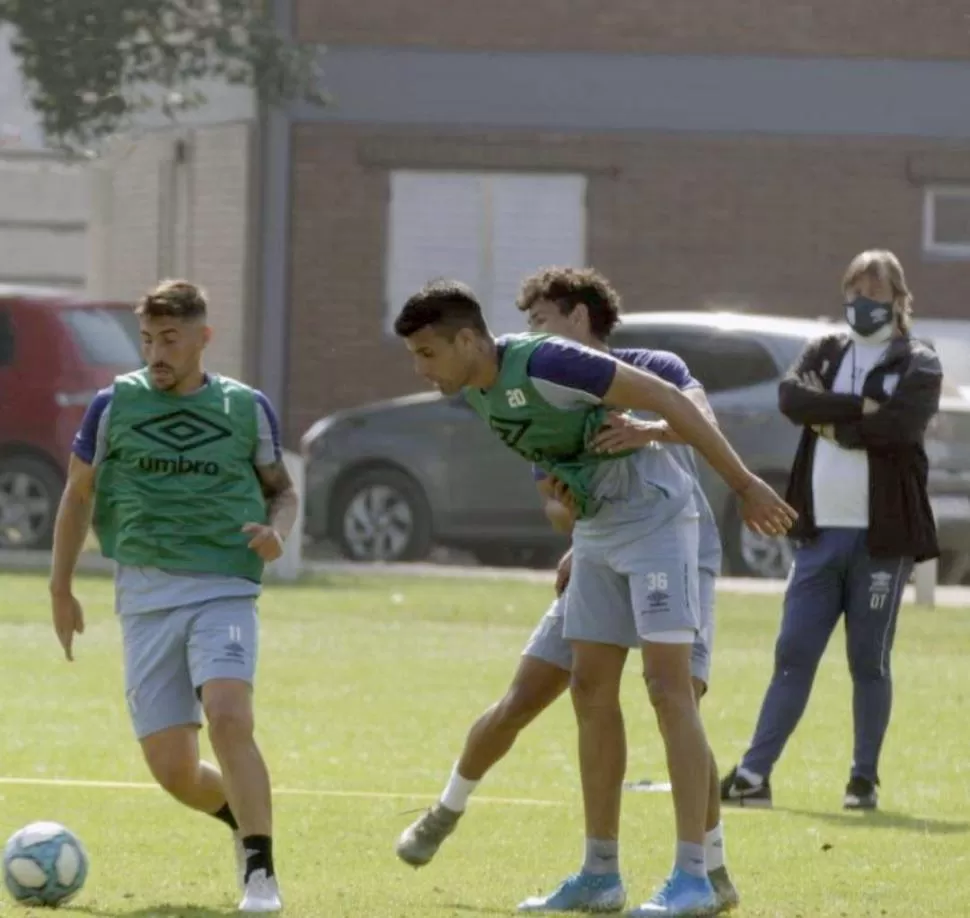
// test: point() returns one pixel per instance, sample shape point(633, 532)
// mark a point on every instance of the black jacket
point(901, 522)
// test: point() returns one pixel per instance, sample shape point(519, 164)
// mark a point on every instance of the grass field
point(366, 689)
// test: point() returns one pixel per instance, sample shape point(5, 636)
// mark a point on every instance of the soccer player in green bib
point(182, 473)
point(635, 554)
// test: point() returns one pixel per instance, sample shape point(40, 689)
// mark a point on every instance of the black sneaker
point(741, 792)
point(860, 794)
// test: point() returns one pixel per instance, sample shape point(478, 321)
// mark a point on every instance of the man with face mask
point(859, 482)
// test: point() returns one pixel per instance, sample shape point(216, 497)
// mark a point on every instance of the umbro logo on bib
point(182, 431)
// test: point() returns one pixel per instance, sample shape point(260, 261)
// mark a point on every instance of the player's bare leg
point(173, 758)
point(229, 712)
point(714, 857)
point(535, 686)
point(595, 690)
point(669, 684)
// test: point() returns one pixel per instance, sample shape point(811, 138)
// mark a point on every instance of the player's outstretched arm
point(71, 528)
point(635, 390)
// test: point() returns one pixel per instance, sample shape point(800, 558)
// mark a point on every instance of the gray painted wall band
point(605, 92)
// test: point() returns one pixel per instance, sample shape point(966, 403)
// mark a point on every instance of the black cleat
point(860, 794)
point(739, 791)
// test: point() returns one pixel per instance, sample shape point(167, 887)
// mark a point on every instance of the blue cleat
point(682, 896)
point(582, 892)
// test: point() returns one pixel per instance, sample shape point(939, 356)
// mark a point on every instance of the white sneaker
point(240, 861)
point(262, 894)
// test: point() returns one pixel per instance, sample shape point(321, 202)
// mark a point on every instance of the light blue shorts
point(548, 643)
point(171, 653)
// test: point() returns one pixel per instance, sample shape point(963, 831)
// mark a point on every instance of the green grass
point(366, 689)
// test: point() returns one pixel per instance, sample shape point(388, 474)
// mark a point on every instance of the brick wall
point(676, 221)
point(154, 216)
point(851, 28)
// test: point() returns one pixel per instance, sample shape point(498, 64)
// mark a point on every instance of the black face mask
point(867, 317)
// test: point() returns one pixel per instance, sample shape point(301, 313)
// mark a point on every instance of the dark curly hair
point(570, 287)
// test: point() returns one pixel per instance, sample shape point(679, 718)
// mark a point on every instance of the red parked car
point(57, 349)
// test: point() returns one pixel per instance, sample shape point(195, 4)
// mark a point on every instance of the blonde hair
point(883, 265)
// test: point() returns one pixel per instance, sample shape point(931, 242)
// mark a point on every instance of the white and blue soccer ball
point(44, 864)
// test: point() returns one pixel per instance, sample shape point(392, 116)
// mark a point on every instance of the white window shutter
point(435, 229)
point(537, 221)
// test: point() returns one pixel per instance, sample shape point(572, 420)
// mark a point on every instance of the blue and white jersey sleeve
point(568, 375)
point(665, 364)
point(91, 440)
point(269, 447)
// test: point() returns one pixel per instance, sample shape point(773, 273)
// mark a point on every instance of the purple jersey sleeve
point(668, 366)
point(568, 375)
point(87, 445)
point(269, 450)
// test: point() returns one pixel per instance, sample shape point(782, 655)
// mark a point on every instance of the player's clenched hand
point(620, 432)
point(563, 572)
point(265, 541)
point(68, 620)
point(763, 510)
point(560, 492)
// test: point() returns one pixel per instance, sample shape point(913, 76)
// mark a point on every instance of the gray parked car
point(389, 480)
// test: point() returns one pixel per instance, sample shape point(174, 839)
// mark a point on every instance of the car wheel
point(381, 515)
point(30, 490)
point(750, 554)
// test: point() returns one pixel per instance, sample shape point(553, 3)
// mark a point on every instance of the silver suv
point(389, 480)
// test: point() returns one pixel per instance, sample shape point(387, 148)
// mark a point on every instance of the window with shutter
point(489, 230)
point(946, 221)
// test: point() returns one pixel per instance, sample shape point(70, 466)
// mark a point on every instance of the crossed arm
point(857, 422)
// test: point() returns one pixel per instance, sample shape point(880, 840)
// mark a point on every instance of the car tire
point(381, 514)
point(749, 554)
point(30, 490)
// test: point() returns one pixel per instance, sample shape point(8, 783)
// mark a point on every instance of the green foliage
point(90, 65)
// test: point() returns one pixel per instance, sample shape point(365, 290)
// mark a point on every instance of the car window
point(954, 354)
point(720, 360)
point(129, 321)
point(6, 339)
point(102, 338)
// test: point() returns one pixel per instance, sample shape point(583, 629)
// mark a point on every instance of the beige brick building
point(735, 153)
point(180, 203)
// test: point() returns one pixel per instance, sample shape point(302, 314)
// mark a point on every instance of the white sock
point(458, 790)
point(714, 848)
point(751, 777)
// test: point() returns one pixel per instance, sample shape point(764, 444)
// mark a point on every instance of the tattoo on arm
point(281, 499)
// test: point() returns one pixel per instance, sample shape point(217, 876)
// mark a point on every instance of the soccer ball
point(44, 864)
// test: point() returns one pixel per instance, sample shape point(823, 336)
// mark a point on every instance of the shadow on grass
point(884, 819)
point(151, 911)
point(480, 909)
